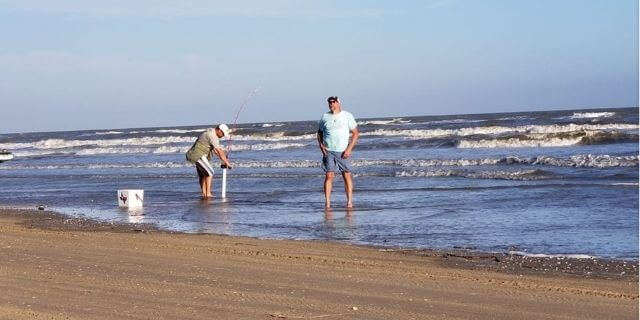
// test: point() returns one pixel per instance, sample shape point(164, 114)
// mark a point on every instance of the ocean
point(549, 183)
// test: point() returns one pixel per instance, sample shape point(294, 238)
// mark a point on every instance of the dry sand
point(52, 267)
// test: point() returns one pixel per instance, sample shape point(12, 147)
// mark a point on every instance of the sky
point(95, 64)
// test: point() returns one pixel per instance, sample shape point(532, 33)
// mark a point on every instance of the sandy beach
point(55, 267)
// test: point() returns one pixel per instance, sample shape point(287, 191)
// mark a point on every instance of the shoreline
point(59, 267)
point(591, 267)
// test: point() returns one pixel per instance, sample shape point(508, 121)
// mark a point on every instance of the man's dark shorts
point(333, 161)
point(203, 167)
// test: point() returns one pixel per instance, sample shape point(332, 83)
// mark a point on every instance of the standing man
point(334, 130)
point(201, 152)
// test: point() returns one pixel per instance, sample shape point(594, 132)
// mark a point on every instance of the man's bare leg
point(202, 180)
point(208, 186)
point(328, 184)
point(348, 188)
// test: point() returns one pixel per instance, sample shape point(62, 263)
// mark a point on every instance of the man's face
point(219, 133)
point(334, 106)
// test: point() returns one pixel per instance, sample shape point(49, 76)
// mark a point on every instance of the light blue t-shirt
point(336, 130)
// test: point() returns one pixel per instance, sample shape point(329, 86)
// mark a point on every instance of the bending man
point(207, 144)
point(334, 131)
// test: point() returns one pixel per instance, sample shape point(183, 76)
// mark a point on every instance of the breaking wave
point(274, 136)
point(269, 125)
point(266, 146)
point(104, 133)
point(582, 161)
point(500, 130)
point(500, 175)
point(88, 151)
point(469, 137)
point(65, 144)
point(178, 131)
point(552, 140)
point(168, 164)
point(578, 161)
point(453, 121)
point(582, 115)
point(383, 122)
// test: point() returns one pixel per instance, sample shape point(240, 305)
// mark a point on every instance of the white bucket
point(130, 198)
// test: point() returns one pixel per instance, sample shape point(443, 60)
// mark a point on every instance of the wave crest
point(583, 137)
point(534, 174)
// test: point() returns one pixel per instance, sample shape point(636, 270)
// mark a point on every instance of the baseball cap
point(224, 129)
point(333, 99)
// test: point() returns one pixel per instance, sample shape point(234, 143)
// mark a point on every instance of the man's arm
point(321, 143)
point(222, 155)
point(354, 139)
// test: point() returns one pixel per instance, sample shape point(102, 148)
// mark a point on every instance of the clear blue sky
point(90, 64)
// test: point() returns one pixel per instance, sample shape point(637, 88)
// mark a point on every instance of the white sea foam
point(135, 145)
point(272, 136)
point(48, 144)
point(15, 146)
point(178, 131)
point(426, 162)
point(35, 153)
point(551, 139)
point(518, 143)
point(516, 118)
point(105, 133)
point(94, 151)
point(146, 149)
point(278, 164)
point(454, 121)
point(269, 125)
point(393, 121)
point(65, 144)
point(588, 160)
point(502, 175)
point(541, 255)
point(167, 164)
point(498, 130)
point(265, 146)
point(582, 115)
point(585, 160)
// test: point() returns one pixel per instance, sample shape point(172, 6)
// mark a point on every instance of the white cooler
point(130, 198)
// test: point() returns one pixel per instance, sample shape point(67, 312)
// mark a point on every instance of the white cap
point(225, 130)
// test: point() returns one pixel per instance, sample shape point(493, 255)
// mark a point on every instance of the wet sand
point(55, 267)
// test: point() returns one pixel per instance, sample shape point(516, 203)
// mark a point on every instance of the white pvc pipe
point(224, 183)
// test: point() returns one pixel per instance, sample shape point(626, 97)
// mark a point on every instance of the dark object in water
point(5, 155)
point(41, 207)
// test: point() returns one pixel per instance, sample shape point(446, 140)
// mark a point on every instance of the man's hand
point(346, 154)
point(324, 150)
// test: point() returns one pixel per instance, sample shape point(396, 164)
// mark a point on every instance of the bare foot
point(327, 205)
point(349, 205)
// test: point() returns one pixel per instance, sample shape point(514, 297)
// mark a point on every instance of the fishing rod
point(235, 120)
point(233, 128)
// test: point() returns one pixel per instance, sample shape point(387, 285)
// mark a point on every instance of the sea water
point(560, 182)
